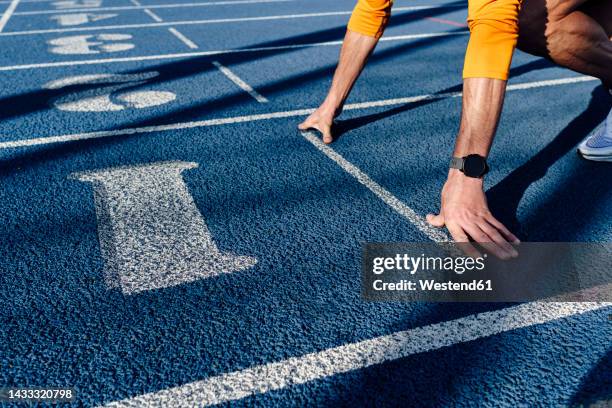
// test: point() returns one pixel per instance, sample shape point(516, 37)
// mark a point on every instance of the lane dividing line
point(349, 357)
point(154, 16)
point(49, 140)
point(182, 37)
point(435, 234)
point(193, 22)
point(10, 10)
point(28, 1)
point(447, 22)
point(190, 44)
point(137, 5)
point(185, 55)
point(239, 82)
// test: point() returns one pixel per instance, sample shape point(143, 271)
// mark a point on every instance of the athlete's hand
point(465, 213)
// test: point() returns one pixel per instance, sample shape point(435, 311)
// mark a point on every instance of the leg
point(574, 34)
point(365, 27)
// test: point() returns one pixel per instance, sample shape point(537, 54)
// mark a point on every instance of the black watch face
point(474, 165)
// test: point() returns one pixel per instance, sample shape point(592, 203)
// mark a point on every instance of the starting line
point(337, 360)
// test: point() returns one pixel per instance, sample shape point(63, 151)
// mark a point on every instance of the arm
point(464, 210)
point(366, 26)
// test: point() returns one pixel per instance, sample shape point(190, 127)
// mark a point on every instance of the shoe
point(598, 147)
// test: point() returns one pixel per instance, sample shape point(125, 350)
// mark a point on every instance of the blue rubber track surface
point(266, 192)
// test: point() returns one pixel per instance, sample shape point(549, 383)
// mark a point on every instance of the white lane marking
point(447, 22)
point(188, 22)
point(151, 233)
point(190, 44)
point(182, 37)
point(435, 234)
point(10, 10)
point(108, 93)
point(47, 140)
point(217, 3)
point(66, 20)
point(217, 52)
point(89, 5)
point(90, 44)
point(239, 82)
point(154, 16)
point(136, 3)
point(27, 1)
point(349, 357)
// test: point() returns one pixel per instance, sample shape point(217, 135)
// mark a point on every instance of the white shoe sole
point(595, 153)
point(596, 157)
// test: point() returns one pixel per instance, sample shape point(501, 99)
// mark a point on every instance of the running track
point(170, 239)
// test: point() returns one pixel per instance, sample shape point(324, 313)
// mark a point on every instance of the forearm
point(483, 100)
point(493, 36)
point(366, 25)
point(356, 49)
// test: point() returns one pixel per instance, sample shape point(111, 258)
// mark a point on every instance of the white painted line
point(435, 234)
point(48, 140)
point(188, 22)
point(239, 82)
point(447, 22)
point(28, 1)
point(182, 37)
point(137, 5)
point(217, 52)
point(154, 16)
point(151, 233)
point(8, 13)
point(349, 357)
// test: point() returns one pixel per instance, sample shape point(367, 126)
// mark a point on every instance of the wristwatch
point(472, 165)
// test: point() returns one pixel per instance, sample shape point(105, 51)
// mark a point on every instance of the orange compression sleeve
point(370, 17)
point(493, 36)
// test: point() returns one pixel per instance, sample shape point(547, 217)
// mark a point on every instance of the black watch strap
point(472, 165)
point(456, 163)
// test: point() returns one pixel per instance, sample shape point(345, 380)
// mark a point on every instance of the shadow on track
point(18, 105)
point(343, 126)
point(505, 196)
point(171, 72)
point(596, 387)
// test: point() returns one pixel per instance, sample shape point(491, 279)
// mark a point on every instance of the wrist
point(456, 176)
point(332, 105)
point(472, 165)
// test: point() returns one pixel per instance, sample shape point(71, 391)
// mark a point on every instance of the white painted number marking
point(106, 93)
point(73, 4)
point(66, 20)
point(151, 233)
point(90, 44)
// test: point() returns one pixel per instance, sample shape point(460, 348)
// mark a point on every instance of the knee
point(567, 33)
point(370, 17)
